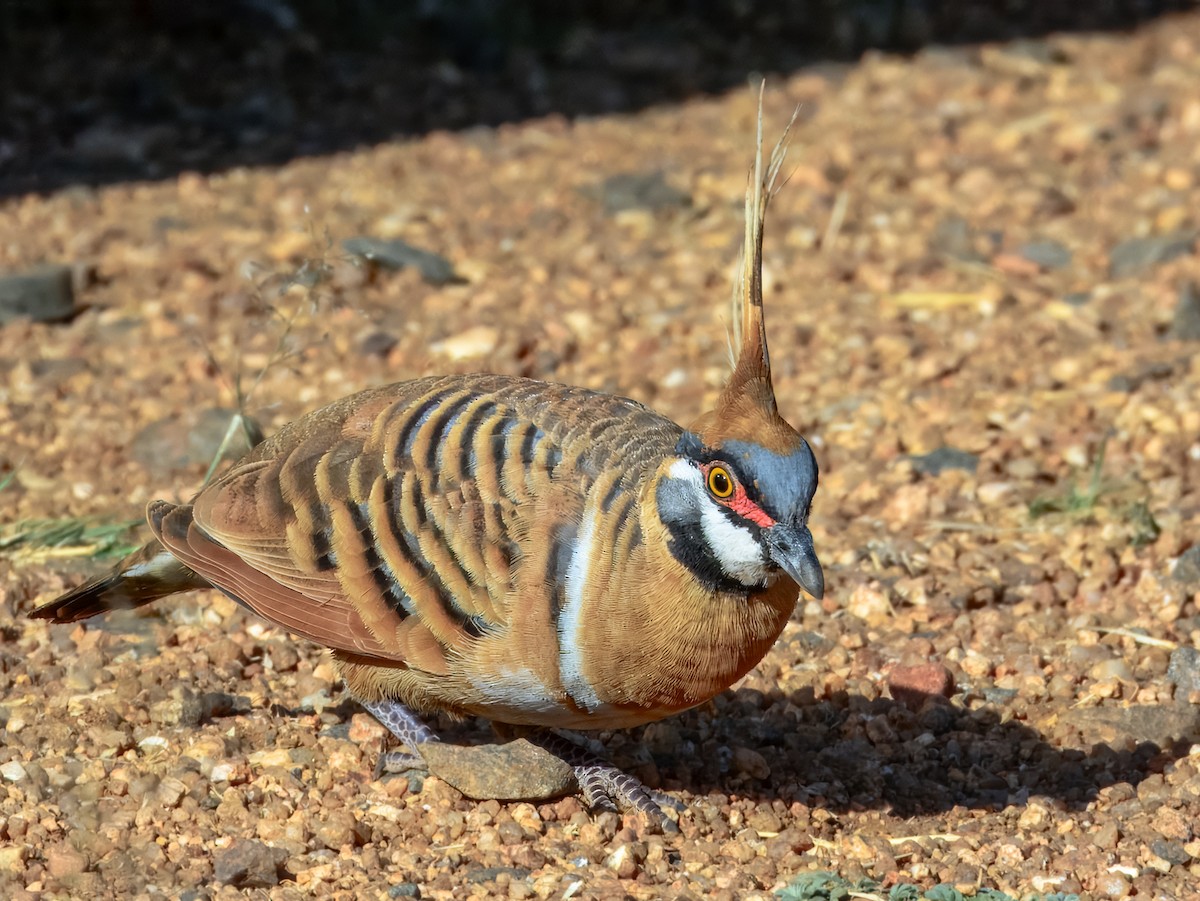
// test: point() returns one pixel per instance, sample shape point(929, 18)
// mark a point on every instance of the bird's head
point(737, 495)
point(737, 507)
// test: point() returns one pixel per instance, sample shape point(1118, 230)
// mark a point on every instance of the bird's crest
point(747, 405)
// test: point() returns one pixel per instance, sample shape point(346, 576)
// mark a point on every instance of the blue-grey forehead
point(777, 476)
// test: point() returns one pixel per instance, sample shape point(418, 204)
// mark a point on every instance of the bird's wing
point(400, 523)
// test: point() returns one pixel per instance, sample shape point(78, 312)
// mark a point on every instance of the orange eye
point(720, 483)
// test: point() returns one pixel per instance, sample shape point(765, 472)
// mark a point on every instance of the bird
point(544, 556)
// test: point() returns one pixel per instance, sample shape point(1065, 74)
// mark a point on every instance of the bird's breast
point(630, 635)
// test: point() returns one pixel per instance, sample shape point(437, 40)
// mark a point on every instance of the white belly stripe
point(570, 621)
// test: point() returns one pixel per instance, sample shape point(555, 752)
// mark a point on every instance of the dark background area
point(95, 91)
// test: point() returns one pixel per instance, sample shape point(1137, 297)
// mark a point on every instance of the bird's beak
point(791, 549)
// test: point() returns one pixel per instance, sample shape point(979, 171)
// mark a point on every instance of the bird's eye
point(720, 483)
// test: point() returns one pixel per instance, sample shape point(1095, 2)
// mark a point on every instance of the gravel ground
point(980, 281)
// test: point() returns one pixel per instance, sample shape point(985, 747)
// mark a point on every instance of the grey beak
point(791, 549)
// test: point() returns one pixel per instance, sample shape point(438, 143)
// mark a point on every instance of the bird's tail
point(144, 576)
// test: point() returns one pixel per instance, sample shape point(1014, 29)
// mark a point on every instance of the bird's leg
point(605, 787)
point(406, 726)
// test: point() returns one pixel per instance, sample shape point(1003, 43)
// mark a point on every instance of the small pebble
point(249, 864)
point(953, 237)
point(397, 254)
point(477, 341)
point(912, 686)
point(944, 458)
point(1183, 670)
point(640, 191)
point(1187, 568)
point(1048, 255)
point(750, 763)
point(1185, 323)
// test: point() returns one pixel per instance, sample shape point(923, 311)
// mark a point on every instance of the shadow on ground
point(851, 753)
point(114, 90)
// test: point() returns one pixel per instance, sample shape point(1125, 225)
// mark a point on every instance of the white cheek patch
point(684, 471)
point(740, 555)
point(734, 547)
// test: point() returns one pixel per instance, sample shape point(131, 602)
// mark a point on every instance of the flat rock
point(639, 191)
point(1138, 254)
point(249, 864)
point(1160, 724)
point(193, 438)
point(44, 294)
point(1047, 255)
point(938, 461)
point(513, 771)
point(397, 254)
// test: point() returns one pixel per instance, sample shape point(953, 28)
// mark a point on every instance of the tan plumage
point(534, 553)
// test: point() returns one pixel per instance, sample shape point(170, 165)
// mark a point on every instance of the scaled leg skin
point(406, 726)
point(605, 787)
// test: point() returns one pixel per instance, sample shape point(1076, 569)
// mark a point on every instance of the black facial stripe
point(688, 546)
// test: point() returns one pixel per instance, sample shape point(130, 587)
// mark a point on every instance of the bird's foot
point(395, 762)
point(406, 726)
point(605, 787)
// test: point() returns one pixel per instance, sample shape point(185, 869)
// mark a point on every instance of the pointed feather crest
point(747, 405)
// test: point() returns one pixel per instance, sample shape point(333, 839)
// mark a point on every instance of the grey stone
point(489, 874)
point(1183, 671)
point(397, 254)
point(1138, 254)
point(249, 864)
point(993, 694)
point(938, 461)
point(1187, 567)
point(377, 344)
point(512, 771)
point(639, 191)
point(52, 373)
point(953, 237)
point(405, 890)
point(1172, 852)
point(1047, 254)
point(192, 438)
point(44, 294)
point(1185, 324)
point(1131, 381)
